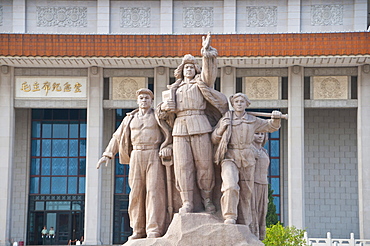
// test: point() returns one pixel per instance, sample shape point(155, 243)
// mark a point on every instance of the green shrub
point(271, 216)
point(278, 235)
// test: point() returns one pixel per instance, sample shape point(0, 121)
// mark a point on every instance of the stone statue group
point(190, 133)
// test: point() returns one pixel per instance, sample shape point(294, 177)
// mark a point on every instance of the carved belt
point(145, 147)
point(239, 146)
point(190, 112)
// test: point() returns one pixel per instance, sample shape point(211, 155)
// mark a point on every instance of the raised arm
point(209, 60)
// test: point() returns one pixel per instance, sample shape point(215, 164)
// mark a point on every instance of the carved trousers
point(193, 161)
point(237, 188)
point(147, 199)
point(259, 210)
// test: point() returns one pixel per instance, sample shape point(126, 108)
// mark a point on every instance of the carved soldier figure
point(234, 135)
point(260, 194)
point(138, 141)
point(192, 98)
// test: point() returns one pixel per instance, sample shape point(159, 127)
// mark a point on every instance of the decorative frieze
point(61, 16)
point(135, 17)
point(262, 72)
point(330, 87)
point(261, 16)
point(198, 17)
point(262, 88)
point(327, 15)
point(331, 71)
point(124, 88)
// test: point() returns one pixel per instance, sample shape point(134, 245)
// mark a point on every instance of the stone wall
point(150, 17)
point(20, 176)
point(331, 174)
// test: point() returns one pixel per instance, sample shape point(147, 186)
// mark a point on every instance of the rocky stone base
point(201, 229)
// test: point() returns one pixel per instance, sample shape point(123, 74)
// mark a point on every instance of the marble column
point(229, 16)
point(363, 143)
point(166, 17)
point(161, 80)
point(228, 80)
point(294, 16)
point(103, 16)
point(7, 134)
point(296, 216)
point(360, 15)
point(94, 140)
point(19, 16)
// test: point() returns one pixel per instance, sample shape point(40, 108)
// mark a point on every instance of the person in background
point(260, 194)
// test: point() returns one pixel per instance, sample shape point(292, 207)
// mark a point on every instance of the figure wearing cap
point(138, 141)
point(234, 135)
point(197, 107)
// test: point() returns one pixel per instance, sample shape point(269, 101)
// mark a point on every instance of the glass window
point(60, 147)
point(59, 185)
point(57, 134)
point(35, 166)
point(39, 206)
point(34, 185)
point(58, 205)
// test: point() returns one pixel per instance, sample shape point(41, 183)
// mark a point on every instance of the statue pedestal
point(201, 229)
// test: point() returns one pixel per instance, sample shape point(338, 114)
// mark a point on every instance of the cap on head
point(232, 98)
point(187, 59)
point(145, 91)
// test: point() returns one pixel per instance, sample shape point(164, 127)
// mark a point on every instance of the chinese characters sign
point(50, 87)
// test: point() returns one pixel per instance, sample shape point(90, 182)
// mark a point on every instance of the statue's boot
point(207, 201)
point(187, 202)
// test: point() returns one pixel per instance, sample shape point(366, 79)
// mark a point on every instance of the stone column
point(103, 25)
point(7, 134)
point(94, 140)
point(229, 16)
point(161, 80)
point(360, 15)
point(294, 16)
point(19, 16)
point(363, 142)
point(228, 80)
point(166, 16)
point(296, 203)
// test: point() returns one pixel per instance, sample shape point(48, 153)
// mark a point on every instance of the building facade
point(69, 70)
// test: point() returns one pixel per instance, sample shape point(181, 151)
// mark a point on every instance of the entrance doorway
point(66, 217)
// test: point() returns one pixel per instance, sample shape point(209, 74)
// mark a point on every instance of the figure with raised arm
point(138, 140)
point(234, 135)
point(197, 107)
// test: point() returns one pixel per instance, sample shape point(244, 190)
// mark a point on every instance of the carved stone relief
point(124, 88)
point(261, 16)
point(262, 88)
point(1, 15)
point(198, 17)
point(61, 16)
point(261, 72)
point(366, 68)
point(135, 17)
point(4, 69)
point(343, 71)
point(330, 87)
point(327, 15)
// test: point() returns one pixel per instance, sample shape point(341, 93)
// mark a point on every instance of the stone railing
point(329, 241)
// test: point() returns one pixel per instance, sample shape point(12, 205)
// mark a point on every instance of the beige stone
point(262, 88)
point(201, 229)
point(330, 87)
point(190, 98)
point(138, 140)
point(234, 135)
point(124, 88)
